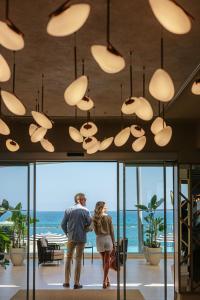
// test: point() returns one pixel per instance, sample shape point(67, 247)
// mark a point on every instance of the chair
point(123, 247)
point(48, 252)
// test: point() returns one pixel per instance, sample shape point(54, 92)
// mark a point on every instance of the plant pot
point(154, 255)
point(146, 253)
point(17, 256)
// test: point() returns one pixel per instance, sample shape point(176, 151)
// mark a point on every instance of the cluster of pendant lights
point(67, 20)
point(38, 130)
point(174, 19)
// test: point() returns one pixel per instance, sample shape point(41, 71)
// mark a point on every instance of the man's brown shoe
point(66, 285)
point(78, 286)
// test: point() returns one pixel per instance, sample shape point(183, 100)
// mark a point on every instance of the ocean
point(49, 222)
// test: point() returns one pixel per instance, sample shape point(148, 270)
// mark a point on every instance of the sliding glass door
point(14, 202)
point(147, 213)
point(56, 185)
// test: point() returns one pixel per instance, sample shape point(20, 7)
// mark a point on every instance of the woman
point(105, 240)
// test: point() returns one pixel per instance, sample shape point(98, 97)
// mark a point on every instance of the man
point(74, 224)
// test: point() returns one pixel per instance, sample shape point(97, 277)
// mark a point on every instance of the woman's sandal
point(108, 283)
point(105, 285)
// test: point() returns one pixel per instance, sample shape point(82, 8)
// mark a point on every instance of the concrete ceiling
point(133, 26)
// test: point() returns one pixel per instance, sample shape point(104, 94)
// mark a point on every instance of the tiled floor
point(148, 279)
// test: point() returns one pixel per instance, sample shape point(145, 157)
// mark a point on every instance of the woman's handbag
point(114, 264)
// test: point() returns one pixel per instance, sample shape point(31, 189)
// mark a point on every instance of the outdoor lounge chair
point(48, 252)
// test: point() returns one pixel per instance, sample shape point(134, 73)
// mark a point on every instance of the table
point(89, 247)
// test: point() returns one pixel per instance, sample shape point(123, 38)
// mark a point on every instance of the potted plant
point(4, 242)
point(155, 225)
point(4, 237)
point(19, 231)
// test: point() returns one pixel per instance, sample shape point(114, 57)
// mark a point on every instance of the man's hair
point(78, 196)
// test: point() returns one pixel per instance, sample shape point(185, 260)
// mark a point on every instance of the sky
point(57, 183)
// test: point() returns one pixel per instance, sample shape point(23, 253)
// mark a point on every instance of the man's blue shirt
point(75, 221)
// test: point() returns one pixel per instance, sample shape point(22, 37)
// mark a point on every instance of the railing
point(131, 233)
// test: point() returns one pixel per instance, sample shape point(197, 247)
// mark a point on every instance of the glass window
point(13, 188)
point(131, 210)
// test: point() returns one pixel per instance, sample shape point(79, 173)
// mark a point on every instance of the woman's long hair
point(98, 211)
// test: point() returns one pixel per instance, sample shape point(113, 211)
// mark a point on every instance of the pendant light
point(144, 110)
point(77, 89)
point(48, 146)
point(89, 142)
point(94, 148)
point(4, 70)
point(161, 86)
point(139, 143)
point(11, 101)
point(171, 16)
point(196, 87)
point(75, 134)
point(137, 131)
point(107, 57)
point(162, 132)
point(86, 103)
point(88, 129)
point(11, 145)
point(68, 19)
point(157, 125)
point(38, 134)
point(130, 105)
point(163, 137)
point(10, 36)
point(32, 128)
point(39, 117)
point(106, 143)
point(4, 129)
point(122, 137)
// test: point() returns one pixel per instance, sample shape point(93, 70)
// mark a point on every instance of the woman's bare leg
point(103, 263)
point(102, 256)
point(106, 266)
